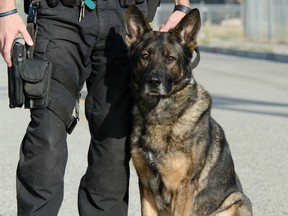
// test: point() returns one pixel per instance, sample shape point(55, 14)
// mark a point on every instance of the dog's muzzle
point(157, 84)
point(154, 81)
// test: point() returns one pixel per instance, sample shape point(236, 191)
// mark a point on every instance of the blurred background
point(250, 101)
point(252, 25)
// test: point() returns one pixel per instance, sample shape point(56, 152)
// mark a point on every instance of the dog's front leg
point(148, 205)
point(183, 201)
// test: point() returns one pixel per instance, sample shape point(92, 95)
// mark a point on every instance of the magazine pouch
point(36, 76)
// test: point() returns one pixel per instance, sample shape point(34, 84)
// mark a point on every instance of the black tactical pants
point(90, 51)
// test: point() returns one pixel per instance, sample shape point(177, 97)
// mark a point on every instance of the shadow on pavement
point(249, 106)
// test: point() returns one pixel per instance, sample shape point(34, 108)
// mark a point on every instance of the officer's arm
point(11, 24)
point(176, 16)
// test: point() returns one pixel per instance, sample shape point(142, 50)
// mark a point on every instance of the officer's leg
point(104, 187)
point(43, 157)
point(43, 152)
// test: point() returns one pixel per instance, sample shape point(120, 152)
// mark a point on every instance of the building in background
point(266, 19)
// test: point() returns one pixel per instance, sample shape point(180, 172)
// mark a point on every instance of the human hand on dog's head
point(172, 21)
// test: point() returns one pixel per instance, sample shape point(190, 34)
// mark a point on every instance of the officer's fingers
point(163, 28)
point(23, 31)
point(8, 62)
point(172, 21)
point(6, 52)
point(170, 24)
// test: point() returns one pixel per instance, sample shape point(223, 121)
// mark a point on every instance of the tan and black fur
point(179, 151)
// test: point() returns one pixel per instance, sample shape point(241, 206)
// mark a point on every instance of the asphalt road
point(250, 102)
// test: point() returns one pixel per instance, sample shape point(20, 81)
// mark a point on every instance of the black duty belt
point(76, 3)
point(71, 3)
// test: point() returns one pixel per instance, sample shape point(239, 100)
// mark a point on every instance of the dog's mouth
point(160, 90)
point(155, 93)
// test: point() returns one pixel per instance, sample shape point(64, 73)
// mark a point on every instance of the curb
point(246, 54)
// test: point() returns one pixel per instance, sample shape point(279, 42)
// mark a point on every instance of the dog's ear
point(188, 28)
point(136, 25)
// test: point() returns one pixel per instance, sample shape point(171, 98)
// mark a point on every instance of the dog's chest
point(173, 168)
point(162, 139)
point(166, 154)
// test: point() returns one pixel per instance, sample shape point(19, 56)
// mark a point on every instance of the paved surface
point(251, 104)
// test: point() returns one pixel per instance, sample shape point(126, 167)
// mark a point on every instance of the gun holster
point(29, 85)
point(28, 79)
point(15, 84)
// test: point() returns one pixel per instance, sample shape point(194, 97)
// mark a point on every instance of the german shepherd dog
point(179, 151)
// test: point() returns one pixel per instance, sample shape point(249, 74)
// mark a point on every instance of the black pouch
point(36, 76)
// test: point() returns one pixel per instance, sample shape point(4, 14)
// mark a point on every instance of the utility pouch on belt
point(36, 76)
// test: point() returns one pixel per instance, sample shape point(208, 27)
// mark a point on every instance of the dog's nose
point(154, 82)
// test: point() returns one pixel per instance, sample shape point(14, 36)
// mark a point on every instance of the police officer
point(84, 41)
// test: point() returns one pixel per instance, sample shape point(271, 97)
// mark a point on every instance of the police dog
point(179, 151)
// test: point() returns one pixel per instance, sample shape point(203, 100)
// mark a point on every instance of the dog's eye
point(145, 55)
point(170, 59)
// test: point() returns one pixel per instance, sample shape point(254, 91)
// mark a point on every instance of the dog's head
point(161, 61)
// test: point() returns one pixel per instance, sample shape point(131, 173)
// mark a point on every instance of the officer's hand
point(10, 27)
point(172, 21)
